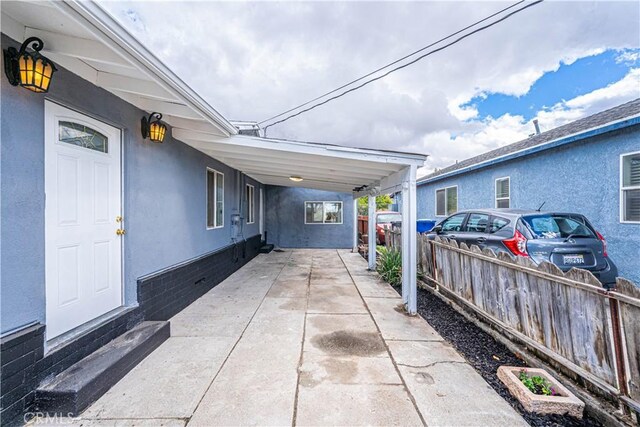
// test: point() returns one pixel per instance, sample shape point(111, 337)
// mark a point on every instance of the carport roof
point(83, 38)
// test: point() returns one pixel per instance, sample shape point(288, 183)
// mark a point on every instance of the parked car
point(564, 239)
point(383, 221)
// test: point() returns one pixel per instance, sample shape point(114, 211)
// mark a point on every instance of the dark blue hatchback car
point(564, 239)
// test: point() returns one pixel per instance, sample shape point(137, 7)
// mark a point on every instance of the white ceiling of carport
point(85, 39)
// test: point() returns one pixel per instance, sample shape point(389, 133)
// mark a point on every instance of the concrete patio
point(302, 337)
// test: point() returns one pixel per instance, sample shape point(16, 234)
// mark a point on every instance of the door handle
point(121, 232)
point(481, 239)
point(451, 236)
point(119, 218)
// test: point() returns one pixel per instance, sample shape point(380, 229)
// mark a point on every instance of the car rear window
point(387, 218)
point(556, 226)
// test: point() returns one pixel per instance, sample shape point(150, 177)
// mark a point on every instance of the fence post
point(617, 347)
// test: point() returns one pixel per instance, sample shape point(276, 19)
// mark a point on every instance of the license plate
point(572, 259)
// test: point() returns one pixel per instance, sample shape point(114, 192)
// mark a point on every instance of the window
point(454, 223)
point(447, 201)
point(477, 223)
point(323, 212)
point(215, 199)
point(630, 189)
point(497, 224)
point(82, 136)
point(558, 226)
point(503, 192)
point(250, 204)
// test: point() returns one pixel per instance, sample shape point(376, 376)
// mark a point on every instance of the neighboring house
point(102, 229)
point(590, 166)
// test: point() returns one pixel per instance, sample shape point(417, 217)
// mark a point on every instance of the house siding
point(582, 177)
point(164, 198)
point(285, 219)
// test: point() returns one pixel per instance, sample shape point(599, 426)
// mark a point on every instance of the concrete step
point(74, 389)
point(265, 249)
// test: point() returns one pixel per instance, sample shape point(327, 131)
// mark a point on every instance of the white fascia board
point(107, 30)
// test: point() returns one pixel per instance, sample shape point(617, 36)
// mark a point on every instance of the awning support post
point(371, 232)
point(356, 224)
point(409, 231)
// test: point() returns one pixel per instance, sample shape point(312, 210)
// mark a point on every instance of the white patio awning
point(321, 166)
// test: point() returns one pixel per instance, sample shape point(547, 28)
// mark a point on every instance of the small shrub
point(537, 384)
point(390, 266)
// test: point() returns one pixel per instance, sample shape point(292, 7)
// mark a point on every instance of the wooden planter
point(564, 402)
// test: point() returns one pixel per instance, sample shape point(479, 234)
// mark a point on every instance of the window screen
point(631, 188)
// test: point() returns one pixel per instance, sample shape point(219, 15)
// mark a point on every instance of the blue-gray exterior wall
point(164, 198)
point(285, 217)
point(582, 177)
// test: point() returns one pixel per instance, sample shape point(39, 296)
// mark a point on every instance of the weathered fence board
point(630, 325)
point(567, 315)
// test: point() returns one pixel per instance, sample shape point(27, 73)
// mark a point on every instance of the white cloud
point(508, 129)
point(252, 60)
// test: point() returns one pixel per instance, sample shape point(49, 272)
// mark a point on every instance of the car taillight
point(604, 244)
point(517, 244)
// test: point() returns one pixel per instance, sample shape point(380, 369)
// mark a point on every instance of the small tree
point(383, 201)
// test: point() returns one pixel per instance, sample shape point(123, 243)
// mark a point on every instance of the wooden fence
point(568, 319)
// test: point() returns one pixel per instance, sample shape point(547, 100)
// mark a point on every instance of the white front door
point(83, 253)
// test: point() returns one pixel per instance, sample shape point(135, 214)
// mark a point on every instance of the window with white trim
point(251, 204)
point(323, 212)
point(503, 192)
point(215, 199)
point(447, 201)
point(630, 188)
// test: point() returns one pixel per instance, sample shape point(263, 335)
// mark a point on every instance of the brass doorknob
point(119, 218)
point(120, 232)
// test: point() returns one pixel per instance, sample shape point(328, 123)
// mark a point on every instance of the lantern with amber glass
point(31, 70)
point(153, 128)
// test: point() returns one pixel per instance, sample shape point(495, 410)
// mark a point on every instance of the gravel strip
point(485, 354)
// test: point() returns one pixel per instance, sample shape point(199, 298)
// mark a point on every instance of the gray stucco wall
point(163, 203)
point(285, 221)
point(582, 177)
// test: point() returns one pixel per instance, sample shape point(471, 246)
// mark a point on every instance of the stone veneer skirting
point(160, 296)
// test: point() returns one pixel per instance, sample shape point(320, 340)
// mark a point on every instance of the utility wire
point(393, 63)
point(459, 39)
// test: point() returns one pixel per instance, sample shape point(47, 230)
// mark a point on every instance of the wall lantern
point(153, 128)
point(295, 178)
point(30, 70)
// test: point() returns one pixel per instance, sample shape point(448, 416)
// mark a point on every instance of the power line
point(459, 39)
point(393, 63)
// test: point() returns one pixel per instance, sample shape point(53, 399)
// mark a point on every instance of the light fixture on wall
point(153, 128)
point(31, 70)
point(295, 178)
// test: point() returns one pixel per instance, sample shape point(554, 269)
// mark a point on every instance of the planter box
point(564, 402)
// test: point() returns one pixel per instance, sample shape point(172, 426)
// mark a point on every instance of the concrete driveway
point(301, 337)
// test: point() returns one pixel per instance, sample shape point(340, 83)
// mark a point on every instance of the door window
point(82, 136)
point(454, 223)
point(477, 223)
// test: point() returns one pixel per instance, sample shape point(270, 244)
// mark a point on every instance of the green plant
point(383, 201)
point(537, 384)
point(390, 265)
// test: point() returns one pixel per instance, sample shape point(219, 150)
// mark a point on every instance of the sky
point(555, 62)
